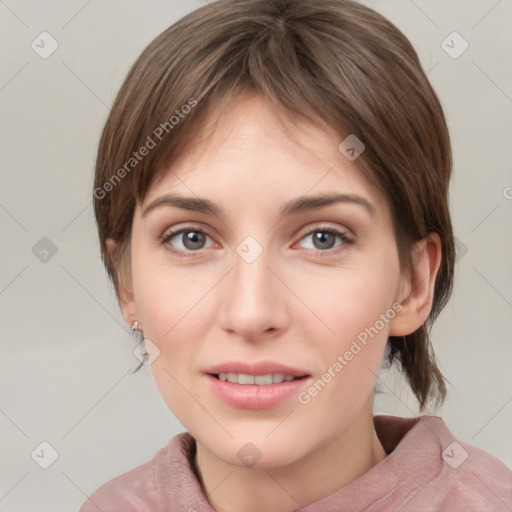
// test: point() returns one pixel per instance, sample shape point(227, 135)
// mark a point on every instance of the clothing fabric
point(426, 469)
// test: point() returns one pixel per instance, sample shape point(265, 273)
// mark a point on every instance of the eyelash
point(347, 241)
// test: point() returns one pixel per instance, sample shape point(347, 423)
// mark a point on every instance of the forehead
point(256, 151)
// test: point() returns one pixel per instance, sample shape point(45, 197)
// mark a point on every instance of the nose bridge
point(251, 279)
point(253, 303)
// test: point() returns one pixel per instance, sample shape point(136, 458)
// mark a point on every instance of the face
point(257, 288)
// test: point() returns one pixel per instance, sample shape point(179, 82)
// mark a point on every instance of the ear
point(125, 289)
point(417, 290)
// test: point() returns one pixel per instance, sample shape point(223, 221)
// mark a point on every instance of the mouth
point(253, 384)
point(256, 386)
point(258, 380)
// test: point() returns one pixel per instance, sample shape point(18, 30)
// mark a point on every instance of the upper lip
point(255, 368)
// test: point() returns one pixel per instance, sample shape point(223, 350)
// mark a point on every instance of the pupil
point(323, 237)
point(192, 239)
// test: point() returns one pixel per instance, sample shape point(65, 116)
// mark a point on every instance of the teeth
point(260, 380)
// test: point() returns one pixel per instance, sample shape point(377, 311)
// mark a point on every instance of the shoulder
point(129, 492)
point(478, 479)
point(471, 477)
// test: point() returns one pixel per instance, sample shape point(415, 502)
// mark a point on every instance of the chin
point(258, 452)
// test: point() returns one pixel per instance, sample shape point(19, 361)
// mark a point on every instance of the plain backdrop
point(66, 352)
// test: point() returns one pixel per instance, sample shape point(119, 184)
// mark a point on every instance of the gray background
point(66, 352)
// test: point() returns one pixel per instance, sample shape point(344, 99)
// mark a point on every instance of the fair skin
point(300, 302)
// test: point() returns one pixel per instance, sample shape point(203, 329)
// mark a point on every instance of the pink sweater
point(426, 469)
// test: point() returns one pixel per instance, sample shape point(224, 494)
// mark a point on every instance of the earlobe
point(419, 287)
point(125, 294)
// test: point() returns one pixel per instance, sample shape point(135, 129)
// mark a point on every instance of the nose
point(255, 299)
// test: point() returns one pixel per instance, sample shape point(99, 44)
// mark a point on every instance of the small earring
point(136, 326)
point(137, 330)
point(141, 355)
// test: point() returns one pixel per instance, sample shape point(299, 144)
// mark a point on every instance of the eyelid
point(325, 227)
point(171, 232)
point(346, 238)
point(306, 231)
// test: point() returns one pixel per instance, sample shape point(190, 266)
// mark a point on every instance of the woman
point(271, 194)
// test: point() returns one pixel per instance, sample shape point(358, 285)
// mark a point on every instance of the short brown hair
point(332, 62)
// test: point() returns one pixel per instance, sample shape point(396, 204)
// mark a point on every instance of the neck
point(344, 458)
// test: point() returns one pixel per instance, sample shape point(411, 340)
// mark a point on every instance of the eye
point(323, 239)
point(190, 239)
point(186, 239)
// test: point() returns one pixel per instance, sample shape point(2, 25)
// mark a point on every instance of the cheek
point(356, 308)
point(173, 315)
point(350, 358)
point(166, 295)
point(173, 310)
point(350, 300)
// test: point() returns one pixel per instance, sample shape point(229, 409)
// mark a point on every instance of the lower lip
point(252, 396)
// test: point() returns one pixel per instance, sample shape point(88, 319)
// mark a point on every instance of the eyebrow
point(293, 207)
